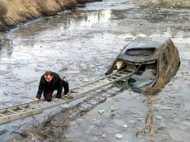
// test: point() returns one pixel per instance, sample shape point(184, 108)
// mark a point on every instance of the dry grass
point(51, 7)
point(48, 7)
point(176, 3)
point(1, 36)
point(3, 9)
point(164, 3)
point(67, 3)
point(149, 119)
point(2, 27)
point(17, 11)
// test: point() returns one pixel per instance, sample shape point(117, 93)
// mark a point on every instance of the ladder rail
point(88, 83)
point(12, 117)
point(83, 94)
point(21, 105)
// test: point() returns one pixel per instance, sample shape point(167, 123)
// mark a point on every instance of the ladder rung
point(2, 115)
point(22, 108)
point(11, 111)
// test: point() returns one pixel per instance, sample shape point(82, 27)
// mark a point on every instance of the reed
point(164, 3)
point(3, 10)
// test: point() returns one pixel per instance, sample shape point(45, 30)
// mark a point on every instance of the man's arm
point(59, 90)
point(40, 90)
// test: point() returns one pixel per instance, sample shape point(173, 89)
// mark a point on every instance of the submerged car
point(153, 63)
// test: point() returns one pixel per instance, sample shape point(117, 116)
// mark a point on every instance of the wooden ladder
point(33, 108)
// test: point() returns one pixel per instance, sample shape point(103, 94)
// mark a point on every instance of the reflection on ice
point(83, 21)
point(88, 19)
point(110, 4)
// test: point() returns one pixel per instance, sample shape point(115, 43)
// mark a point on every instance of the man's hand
point(37, 99)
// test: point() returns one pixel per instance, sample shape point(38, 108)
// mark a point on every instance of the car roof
point(141, 43)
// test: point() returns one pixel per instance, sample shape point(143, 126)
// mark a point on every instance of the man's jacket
point(55, 84)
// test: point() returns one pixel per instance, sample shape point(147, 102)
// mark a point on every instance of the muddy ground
point(80, 44)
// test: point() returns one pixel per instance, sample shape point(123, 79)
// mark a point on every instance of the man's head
point(48, 76)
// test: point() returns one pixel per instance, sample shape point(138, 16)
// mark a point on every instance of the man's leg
point(48, 95)
point(65, 86)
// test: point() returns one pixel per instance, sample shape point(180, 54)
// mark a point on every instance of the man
point(49, 82)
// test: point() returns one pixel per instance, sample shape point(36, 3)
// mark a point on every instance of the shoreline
point(164, 3)
point(18, 11)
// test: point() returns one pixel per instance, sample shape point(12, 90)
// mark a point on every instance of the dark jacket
point(55, 84)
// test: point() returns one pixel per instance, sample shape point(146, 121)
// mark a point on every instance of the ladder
point(33, 108)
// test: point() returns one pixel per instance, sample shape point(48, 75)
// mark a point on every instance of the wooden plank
point(83, 94)
point(12, 111)
point(22, 105)
point(22, 108)
point(92, 82)
point(2, 115)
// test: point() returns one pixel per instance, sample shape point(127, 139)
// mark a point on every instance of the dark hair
point(48, 73)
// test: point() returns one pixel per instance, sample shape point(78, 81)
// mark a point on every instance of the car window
point(140, 52)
